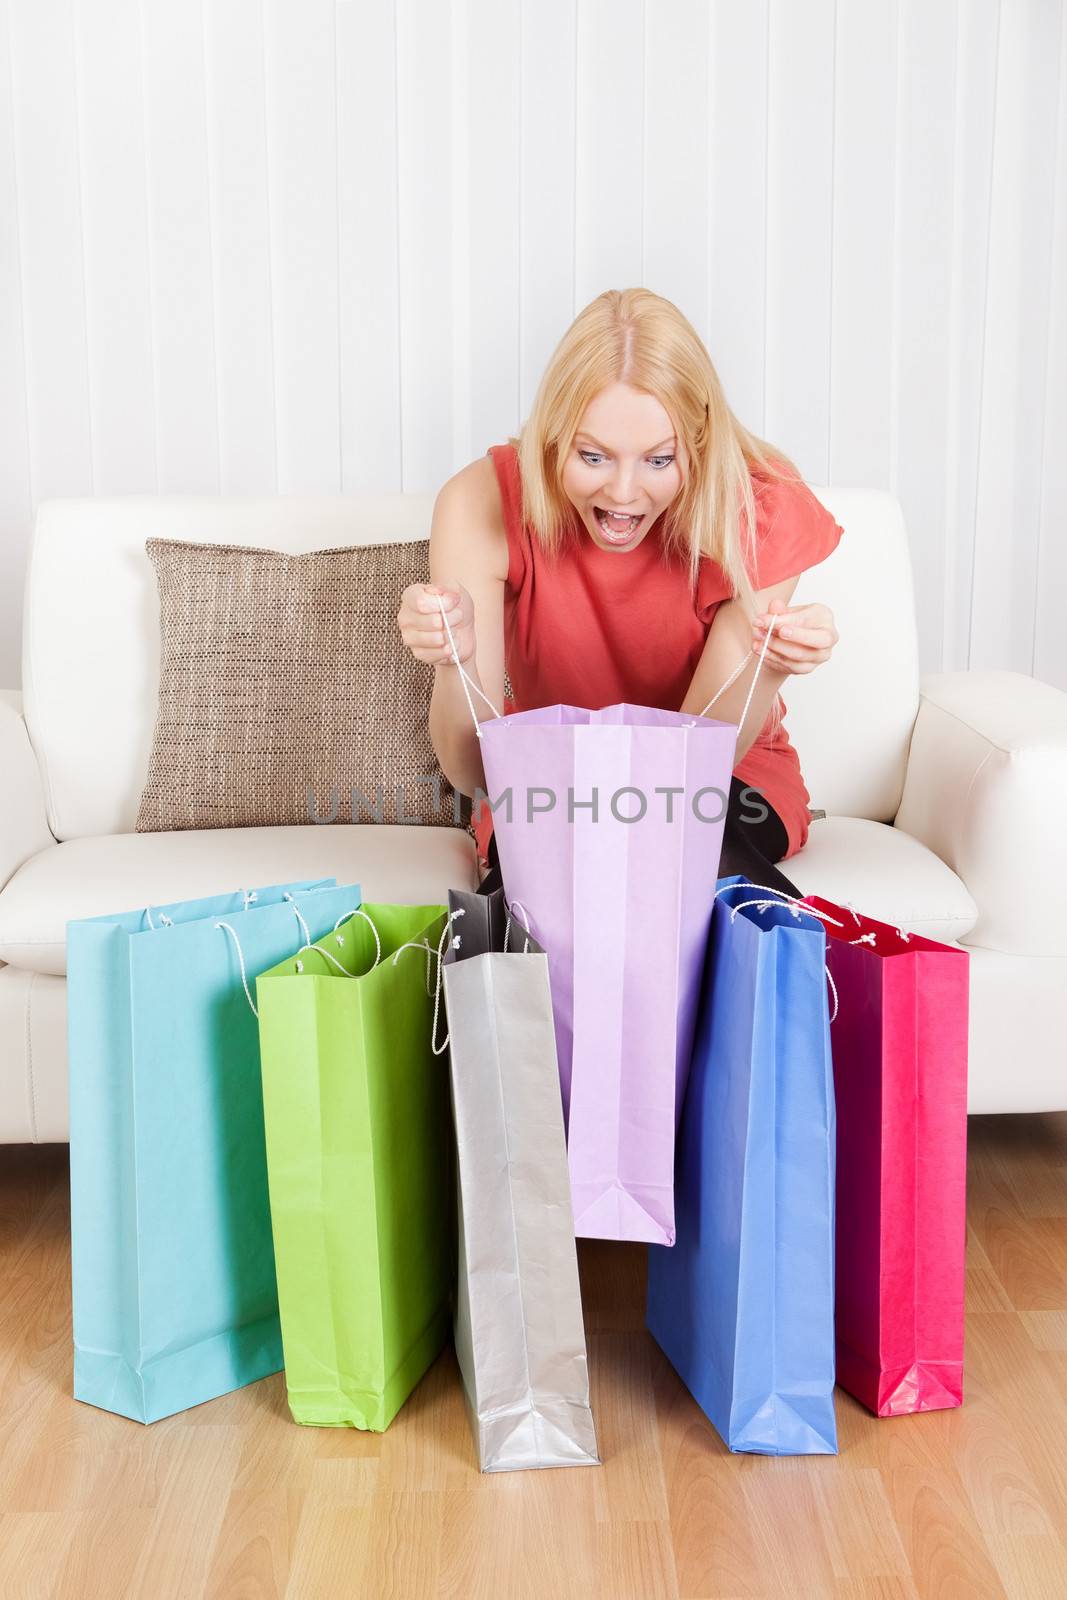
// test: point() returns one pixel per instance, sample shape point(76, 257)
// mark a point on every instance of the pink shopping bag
point(900, 1076)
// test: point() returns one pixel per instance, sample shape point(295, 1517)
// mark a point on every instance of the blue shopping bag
point(173, 1285)
point(743, 1304)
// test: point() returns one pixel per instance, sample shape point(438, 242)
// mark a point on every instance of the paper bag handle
point(240, 953)
point(736, 673)
point(797, 906)
point(469, 683)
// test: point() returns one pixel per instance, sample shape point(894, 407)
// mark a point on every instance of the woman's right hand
point(421, 626)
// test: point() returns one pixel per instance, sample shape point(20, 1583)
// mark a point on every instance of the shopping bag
point(520, 1338)
point(742, 1306)
point(172, 1268)
point(357, 1129)
point(609, 837)
point(900, 1073)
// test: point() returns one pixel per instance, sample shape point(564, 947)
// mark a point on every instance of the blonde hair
point(636, 337)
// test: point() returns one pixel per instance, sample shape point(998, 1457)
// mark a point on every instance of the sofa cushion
point(883, 871)
point(124, 871)
point(886, 874)
point(286, 692)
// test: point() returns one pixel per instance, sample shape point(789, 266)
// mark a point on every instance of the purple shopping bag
point(609, 825)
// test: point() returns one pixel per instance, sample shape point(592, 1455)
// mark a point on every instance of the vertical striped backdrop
point(328, 245)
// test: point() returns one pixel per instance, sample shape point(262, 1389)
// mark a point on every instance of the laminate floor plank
point(234, 1501)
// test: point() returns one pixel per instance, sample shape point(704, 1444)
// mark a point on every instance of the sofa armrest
point(24, 826)
point(986, 790)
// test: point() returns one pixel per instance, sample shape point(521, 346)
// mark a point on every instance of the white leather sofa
point(945, 801)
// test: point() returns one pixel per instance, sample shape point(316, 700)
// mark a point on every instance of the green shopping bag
point(356, 1115)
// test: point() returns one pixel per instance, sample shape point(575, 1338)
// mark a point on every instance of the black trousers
point(754, 838)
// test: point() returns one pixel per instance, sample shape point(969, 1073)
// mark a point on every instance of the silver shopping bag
point(520, 1338)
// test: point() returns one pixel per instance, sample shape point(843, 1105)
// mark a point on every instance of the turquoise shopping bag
point(743, 1305)
point(173, 1284)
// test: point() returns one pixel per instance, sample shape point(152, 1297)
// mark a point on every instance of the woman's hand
point(421, 626)
point(803, 637)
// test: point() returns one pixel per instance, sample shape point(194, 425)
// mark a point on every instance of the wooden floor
point(234, 1500)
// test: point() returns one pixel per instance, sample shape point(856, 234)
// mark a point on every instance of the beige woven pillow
point(284, 684)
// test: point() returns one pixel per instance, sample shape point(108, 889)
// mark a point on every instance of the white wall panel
point(736, 330)
point(488, 100)
point(677, 156)
point(239, 222)
point(862, 307)
point(180, 252)
point(547, 189)
point(118, 284)
point(922, 279)
point(800, 227)
point(256, 246)
point(51, 265)
point(1014, 374)
point(427, 276)
point(1050, 634)
point(609, 226)
point(367, 223)
point(976, 70)
point(301, 102)
point(15, 485)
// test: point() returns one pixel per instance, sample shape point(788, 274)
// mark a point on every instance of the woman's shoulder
point(794, 530)
point(476, 486)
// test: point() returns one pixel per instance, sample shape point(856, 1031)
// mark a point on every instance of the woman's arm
point(468, 562)
point(731, 640)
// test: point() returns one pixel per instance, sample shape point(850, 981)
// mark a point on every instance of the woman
point(633, 544)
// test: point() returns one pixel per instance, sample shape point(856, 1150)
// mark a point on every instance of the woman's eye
point(597, 458)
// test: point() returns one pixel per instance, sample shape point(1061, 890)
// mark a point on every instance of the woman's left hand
point(803, 636)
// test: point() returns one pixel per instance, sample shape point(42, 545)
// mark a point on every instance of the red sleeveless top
point(592, 627)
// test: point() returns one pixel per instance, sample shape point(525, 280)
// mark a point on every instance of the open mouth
point(617, 530)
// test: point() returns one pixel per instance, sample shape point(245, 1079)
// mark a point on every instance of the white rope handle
point(796, 907)
point(833, 986)
point(303, 925)
point(469, 683)
point(517, 905)
point(456, 941)
point(464, 678)
point(343, 970)
point(869, 938)
point(418, 944)
point(762, 905)
point(795, 904)
point(455, 944)
point(424, 944)
point(240, 953)
point(865, 938)
point(796, 910)
point(168, 922)
point(241, 960)
point(358, 911)
point(737, 673)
